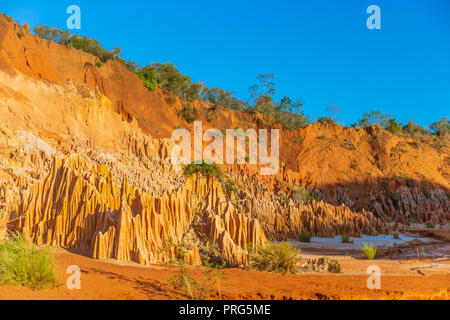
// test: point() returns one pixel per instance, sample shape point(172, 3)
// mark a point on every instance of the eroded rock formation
point(85, 164)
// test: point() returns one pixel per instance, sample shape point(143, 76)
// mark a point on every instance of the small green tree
point(393, 126)
point(414, 129)
point(326, 120)
point(332, 111)
point(441, 128)
point(221, 98)
point(148, 78)
point(372, 118)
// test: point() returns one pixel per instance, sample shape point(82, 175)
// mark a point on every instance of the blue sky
point(320, 51)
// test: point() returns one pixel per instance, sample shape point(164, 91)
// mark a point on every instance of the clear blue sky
point(320, 51)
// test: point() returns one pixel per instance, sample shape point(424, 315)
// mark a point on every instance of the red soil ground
point(112, 281)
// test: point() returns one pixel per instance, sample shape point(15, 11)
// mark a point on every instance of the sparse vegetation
point(413, 129)
point(348, 145)
point(372, 118)
point(441, 128)
point(280, 257)
point(300, 194)
point(170, 99)
point(305, 237)
point(84, 43)
point(345, 238)
point(188, 286)
point(206, 169)
point(326, 120)
point(421, 252)
point(286, 112)
point(430, 225)
point(396, 236)
point(334, 266)
point(216, 274)
point(23, 264)
point(368, 251)
point(148, 78)
point(188, 113)
point(412, 221)
point(211, 169)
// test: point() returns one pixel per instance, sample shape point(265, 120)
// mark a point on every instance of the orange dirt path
point(113, 281)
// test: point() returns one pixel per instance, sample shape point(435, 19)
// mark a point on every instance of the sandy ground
point(407, 279)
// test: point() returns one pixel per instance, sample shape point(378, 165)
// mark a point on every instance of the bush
point(348, 145)
point(171, 100)
point(393, 126)
point(148, 78)
point(23, 264)
point(334, 266)
point(204, 168)
point(221, 98)
point(286, 112)
point(302, 195)
point(305, 237)
point(441, 128)
point(372, 118)
point(188, 113)
point(396, 236)
point(276, 257)
point(327, 120)
point(368, 251)
point(84, 43)
point(211, 170)
point(345, 238)
point(430, 225)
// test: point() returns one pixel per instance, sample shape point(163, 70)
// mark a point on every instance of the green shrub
point(334, 266)
point(368, 251)
point(99, 64)
point(300, 194)
point(413, 129)
point(148, 78)
point(229, 185)
point(393, 126)
point(371, 119)
point(430, 225)
point(396, 236)
point(413, 220)
point(305, 237)
point(327, 120)
point(276, 257)
point(20, 34)
point(286, 112)
point(83, 43)
point(188, 113)
point(171, 100)
point(206, 169)
point(23, 264)
point(345, 238)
